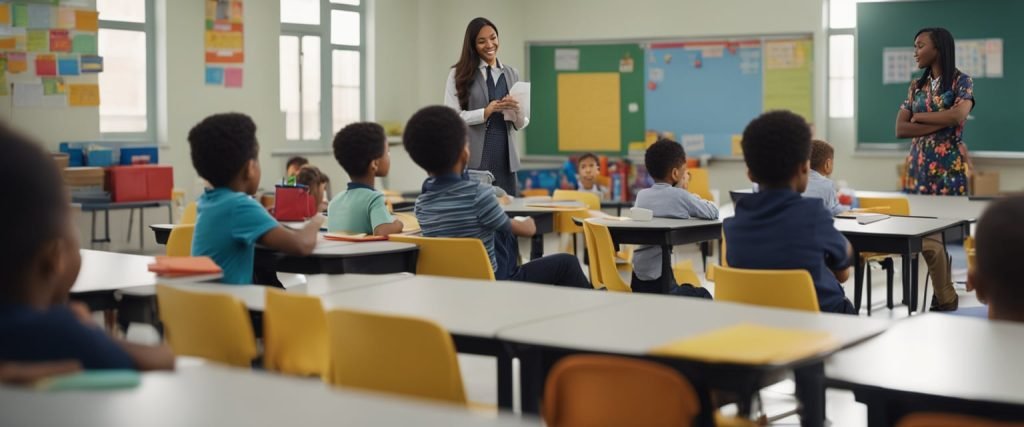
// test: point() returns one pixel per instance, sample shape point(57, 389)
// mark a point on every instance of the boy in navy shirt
point(40, 331)
point(996, 277)
point(776, 228)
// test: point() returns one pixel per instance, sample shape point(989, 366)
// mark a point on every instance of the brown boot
point(949, 306)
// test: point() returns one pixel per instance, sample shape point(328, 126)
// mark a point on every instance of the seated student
point(453, 206)
point(999, 241)
point(818, 183)
point(39, 262)
point(362, 150)
point(230, 223)
point(667, 198)
point(776, 228)
point(588, 171)
point(312, 177)
point(293, 166)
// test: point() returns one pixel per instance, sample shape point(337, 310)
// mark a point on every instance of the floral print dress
point(937, 163)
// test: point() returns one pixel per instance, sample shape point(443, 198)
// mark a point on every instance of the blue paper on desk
point(102, 379)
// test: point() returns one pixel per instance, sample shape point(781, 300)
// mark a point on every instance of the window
point(322, 66)
point(126, 43)
point(842, 19)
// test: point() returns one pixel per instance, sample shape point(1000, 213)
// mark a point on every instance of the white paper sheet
point(521, 93)
point(567, 59)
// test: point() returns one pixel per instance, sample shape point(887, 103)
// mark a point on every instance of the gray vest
point(477, 100)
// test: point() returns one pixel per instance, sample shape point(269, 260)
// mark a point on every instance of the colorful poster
point(224, 32)
point(84, 44)
point(17, 62)
point(38, 41)
point(233, 77)
point(46, 65)
point(66, 18)
point(214, 76)
point(87, 20)
point(20, 15)
point(67, 65)
point(8, 43)
point(5, 14)
point(39, 16)
point(92, 63)
point(84, 95)
point(54, 86)
point(60, 41)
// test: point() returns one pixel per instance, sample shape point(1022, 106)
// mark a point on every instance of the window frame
point(830, 31)
point(149, 29)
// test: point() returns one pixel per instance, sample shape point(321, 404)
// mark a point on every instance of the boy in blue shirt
point(818, 183)
point(39, 263)
point(667, 198)
point(999, 242)
point(453, 206)
point(230, 223)
point(776, 228)
point(362, 150)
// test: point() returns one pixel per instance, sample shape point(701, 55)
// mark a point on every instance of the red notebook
point(168, 266)
point(341, 237)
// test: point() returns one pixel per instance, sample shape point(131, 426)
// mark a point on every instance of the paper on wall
point(567, 59)
point(994, 58)
point(897, 65)
point(693, 142)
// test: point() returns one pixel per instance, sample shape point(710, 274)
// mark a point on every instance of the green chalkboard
point(542, 134)
point(1000, 101)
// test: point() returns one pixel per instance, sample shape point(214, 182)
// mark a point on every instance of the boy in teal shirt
point(230, 222)
point(362, 150)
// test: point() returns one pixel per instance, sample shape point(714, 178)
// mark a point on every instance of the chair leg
point(867, 267)
point(889, 266)
point(131, 220)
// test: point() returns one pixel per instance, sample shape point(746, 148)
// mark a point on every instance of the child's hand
point(318, 219)
point(30, 372)
point(685, 182)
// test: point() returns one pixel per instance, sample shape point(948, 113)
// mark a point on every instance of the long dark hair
point(469, 60)
point(943, 41)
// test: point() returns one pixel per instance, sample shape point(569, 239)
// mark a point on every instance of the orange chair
point(934, 419)
point(534, 192)
point(591, 390)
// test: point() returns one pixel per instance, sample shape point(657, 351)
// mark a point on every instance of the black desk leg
point(666, 267)
point(705, 250)
point(531, 379)
point(536, 246)
point(142, 222)
point(106, 225)
point(858, 281)
point(505, 379)
point(93, 231)
point(914, 268)
point(810, 392)
point(907, 277)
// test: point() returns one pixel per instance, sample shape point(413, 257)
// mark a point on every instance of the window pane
point(300, 12)
point(123, 81)
point(344, 27)
point(290, 86)
point(351, 2)
point(345, 92)
point(122, 10)
point(310, 88)
point(840, 56)
point(840, 97)
point(842, 13)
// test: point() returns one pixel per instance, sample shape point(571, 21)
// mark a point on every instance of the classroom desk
point(542, 217)
point(104, 273)
point(664, 232)
point(106, 207)
point(958, 207)
point(216, 395)
point(473, 311)
point(936, 362)
point(336, 257)
point(617, 205)
point(897, 235)
point(641, 322)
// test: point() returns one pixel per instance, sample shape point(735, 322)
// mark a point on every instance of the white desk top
point(468, 307)
point(520, 204)
point(333, 248)
point(896, 226)
point(942, 355)
point(109, 271)
point(656, 223)
point(956, 207)
point(642, 322)
point(211, 395)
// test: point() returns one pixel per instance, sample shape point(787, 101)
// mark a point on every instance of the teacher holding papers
point(479, 88)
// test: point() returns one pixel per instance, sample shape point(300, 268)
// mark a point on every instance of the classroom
point(511, 213)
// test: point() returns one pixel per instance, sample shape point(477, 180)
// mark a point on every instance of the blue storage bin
point(139, 155)
point(100, 158)
point(76, 157)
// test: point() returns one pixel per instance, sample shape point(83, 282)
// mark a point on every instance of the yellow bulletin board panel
point(588, 112)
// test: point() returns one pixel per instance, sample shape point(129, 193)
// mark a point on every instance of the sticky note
point(87, 20)
point(91, 63)
point(17, 62)
point(5, 14)
point(65, 18)
point(20, 15)
point(8, 43)
point(84, 44)
point(60, 41)
point(46, 65)
point(39, 16)
point(232, 77)
point(67, 65)
point(38, 41)
point(53, 86)
point(83, 95)
point(215, 76)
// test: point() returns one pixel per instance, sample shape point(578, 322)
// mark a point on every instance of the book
point(168, 266)
point(361, 237)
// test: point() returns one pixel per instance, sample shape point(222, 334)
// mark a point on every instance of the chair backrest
point(179, 243)
point(700, 184)
point(294, 334)
point(409, 222)
point(592, 390)
point(595, 270)
point(188, 216)
point(208, 325)
point(449, 256)
point(972, 256)
point(936, 419)
point(534, 192)
point(393, 354)
point(792, 289)
point(886, 205)
point(604, 254)
point(589, 199)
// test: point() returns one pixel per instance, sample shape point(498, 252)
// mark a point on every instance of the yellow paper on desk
point(749, 344)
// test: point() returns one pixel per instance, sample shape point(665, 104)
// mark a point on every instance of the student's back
point(451, 206)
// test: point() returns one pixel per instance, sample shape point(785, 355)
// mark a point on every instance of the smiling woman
point(478, 87)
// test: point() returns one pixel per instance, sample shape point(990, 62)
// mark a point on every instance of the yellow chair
point(971, 253)
point(208, 325)
point(683, 273)
point(534, 192)
point(602, 253)
point(393, 354)
point(888, 206)
point(590, 200)
point(595, 271)
point(564, 219)
point(189, 215)
point(885, 205)
point(699, 183)
point(179, 243)
point(451, 257)
point(294, 334)
point(792, 289)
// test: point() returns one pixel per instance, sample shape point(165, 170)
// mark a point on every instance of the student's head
point(588, 167)
point(666, 161)
point(480, 42)
point(362, 150)
point(39, 258)
point(312, 177)
point(435, 138)
point(294, 164)
point(935, 46)
point(822, 157)
point(999, 241)
point(777, 150)
point(225, 152)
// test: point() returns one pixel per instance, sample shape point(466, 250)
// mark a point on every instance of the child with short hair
point(230, 223)
point(667, 198)
point(316, 181)
point(453, 206)
point(362, 150)
point(776, 228)
point(818, 183)
point(588, 171)
point(999, 241)
point(293, 165)
point(41, 333)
